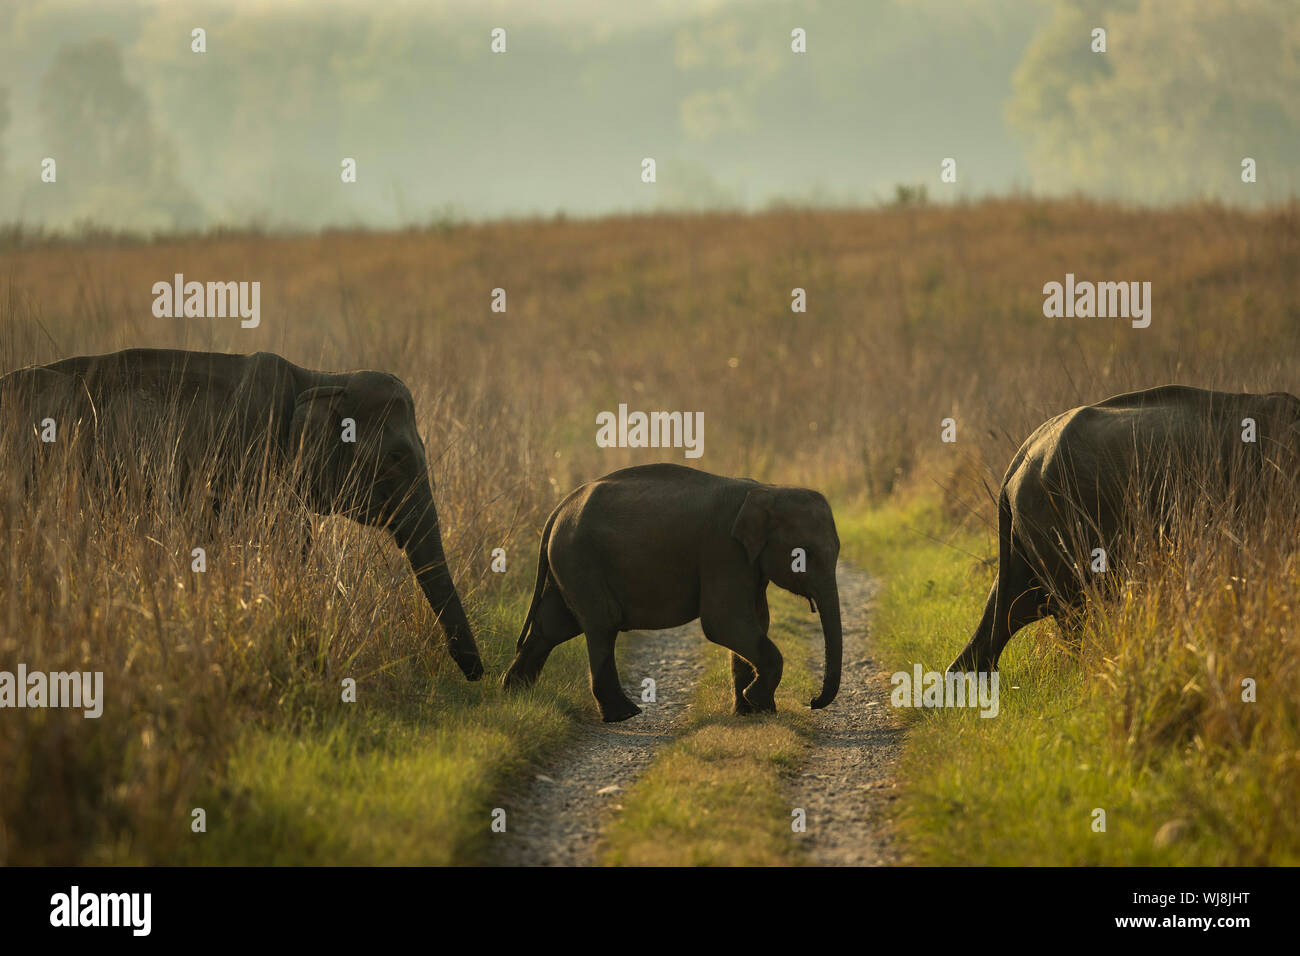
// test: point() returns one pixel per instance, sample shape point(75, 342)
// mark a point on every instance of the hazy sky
point(151, 134)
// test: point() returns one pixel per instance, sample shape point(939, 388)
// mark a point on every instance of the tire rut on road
point(848, 781)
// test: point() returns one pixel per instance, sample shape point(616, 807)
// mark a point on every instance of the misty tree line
point(116, 164)
point(1184, 93)
point(148, 135)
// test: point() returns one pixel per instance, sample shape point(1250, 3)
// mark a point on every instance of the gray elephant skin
point(1081, 479)
point(657, 546)
point(233, 419)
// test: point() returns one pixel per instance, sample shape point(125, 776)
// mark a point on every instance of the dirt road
point(556, 815)
point(848, 781)
point(557, 812)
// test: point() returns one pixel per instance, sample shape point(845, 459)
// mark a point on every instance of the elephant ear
point(750, 528)
point(314, 436)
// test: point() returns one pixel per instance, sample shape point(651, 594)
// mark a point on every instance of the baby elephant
point(659, 545)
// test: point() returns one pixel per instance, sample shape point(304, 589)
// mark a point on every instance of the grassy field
point(224, 693)
point(1147, 724)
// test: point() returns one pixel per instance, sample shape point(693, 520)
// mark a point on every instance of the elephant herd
point(659, 545)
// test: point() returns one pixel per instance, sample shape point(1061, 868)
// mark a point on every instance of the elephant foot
point(760, 699)
point(517, 677)
point(742, 706)
point(621, 711)
point(968, 664)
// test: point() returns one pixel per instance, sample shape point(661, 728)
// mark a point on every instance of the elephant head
point(358, 453)
point(776, 524)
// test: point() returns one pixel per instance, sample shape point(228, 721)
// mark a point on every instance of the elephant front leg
point(742, 673)
point(614, 704)
point(756, 664)
point(762, 692)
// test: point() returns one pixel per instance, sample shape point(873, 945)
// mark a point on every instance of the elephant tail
point(978, 652)
point(543, 569)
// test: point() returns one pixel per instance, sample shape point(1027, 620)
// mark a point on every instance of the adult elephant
point(347, 443)
point(1086, 480)
point(657, 546)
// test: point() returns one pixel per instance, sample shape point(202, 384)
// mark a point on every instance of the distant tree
point(5, 117)
point(97, 126)
point(1173, 105)
point(6, 189)
point(89, 111)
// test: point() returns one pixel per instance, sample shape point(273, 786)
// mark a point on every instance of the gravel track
point(555, 816)
point(556, 812)
point(848, 781)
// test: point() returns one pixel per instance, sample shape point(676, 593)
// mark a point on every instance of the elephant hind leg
point(614, 704)
point(552, 624)
point(1069, 615)
point(1028, 604)
point(1016, 600)
point(977, 648)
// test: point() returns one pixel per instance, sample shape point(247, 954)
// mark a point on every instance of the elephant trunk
point(417, 534)
point(828, 605)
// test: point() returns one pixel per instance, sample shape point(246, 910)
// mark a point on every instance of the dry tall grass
point(1198, 659)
